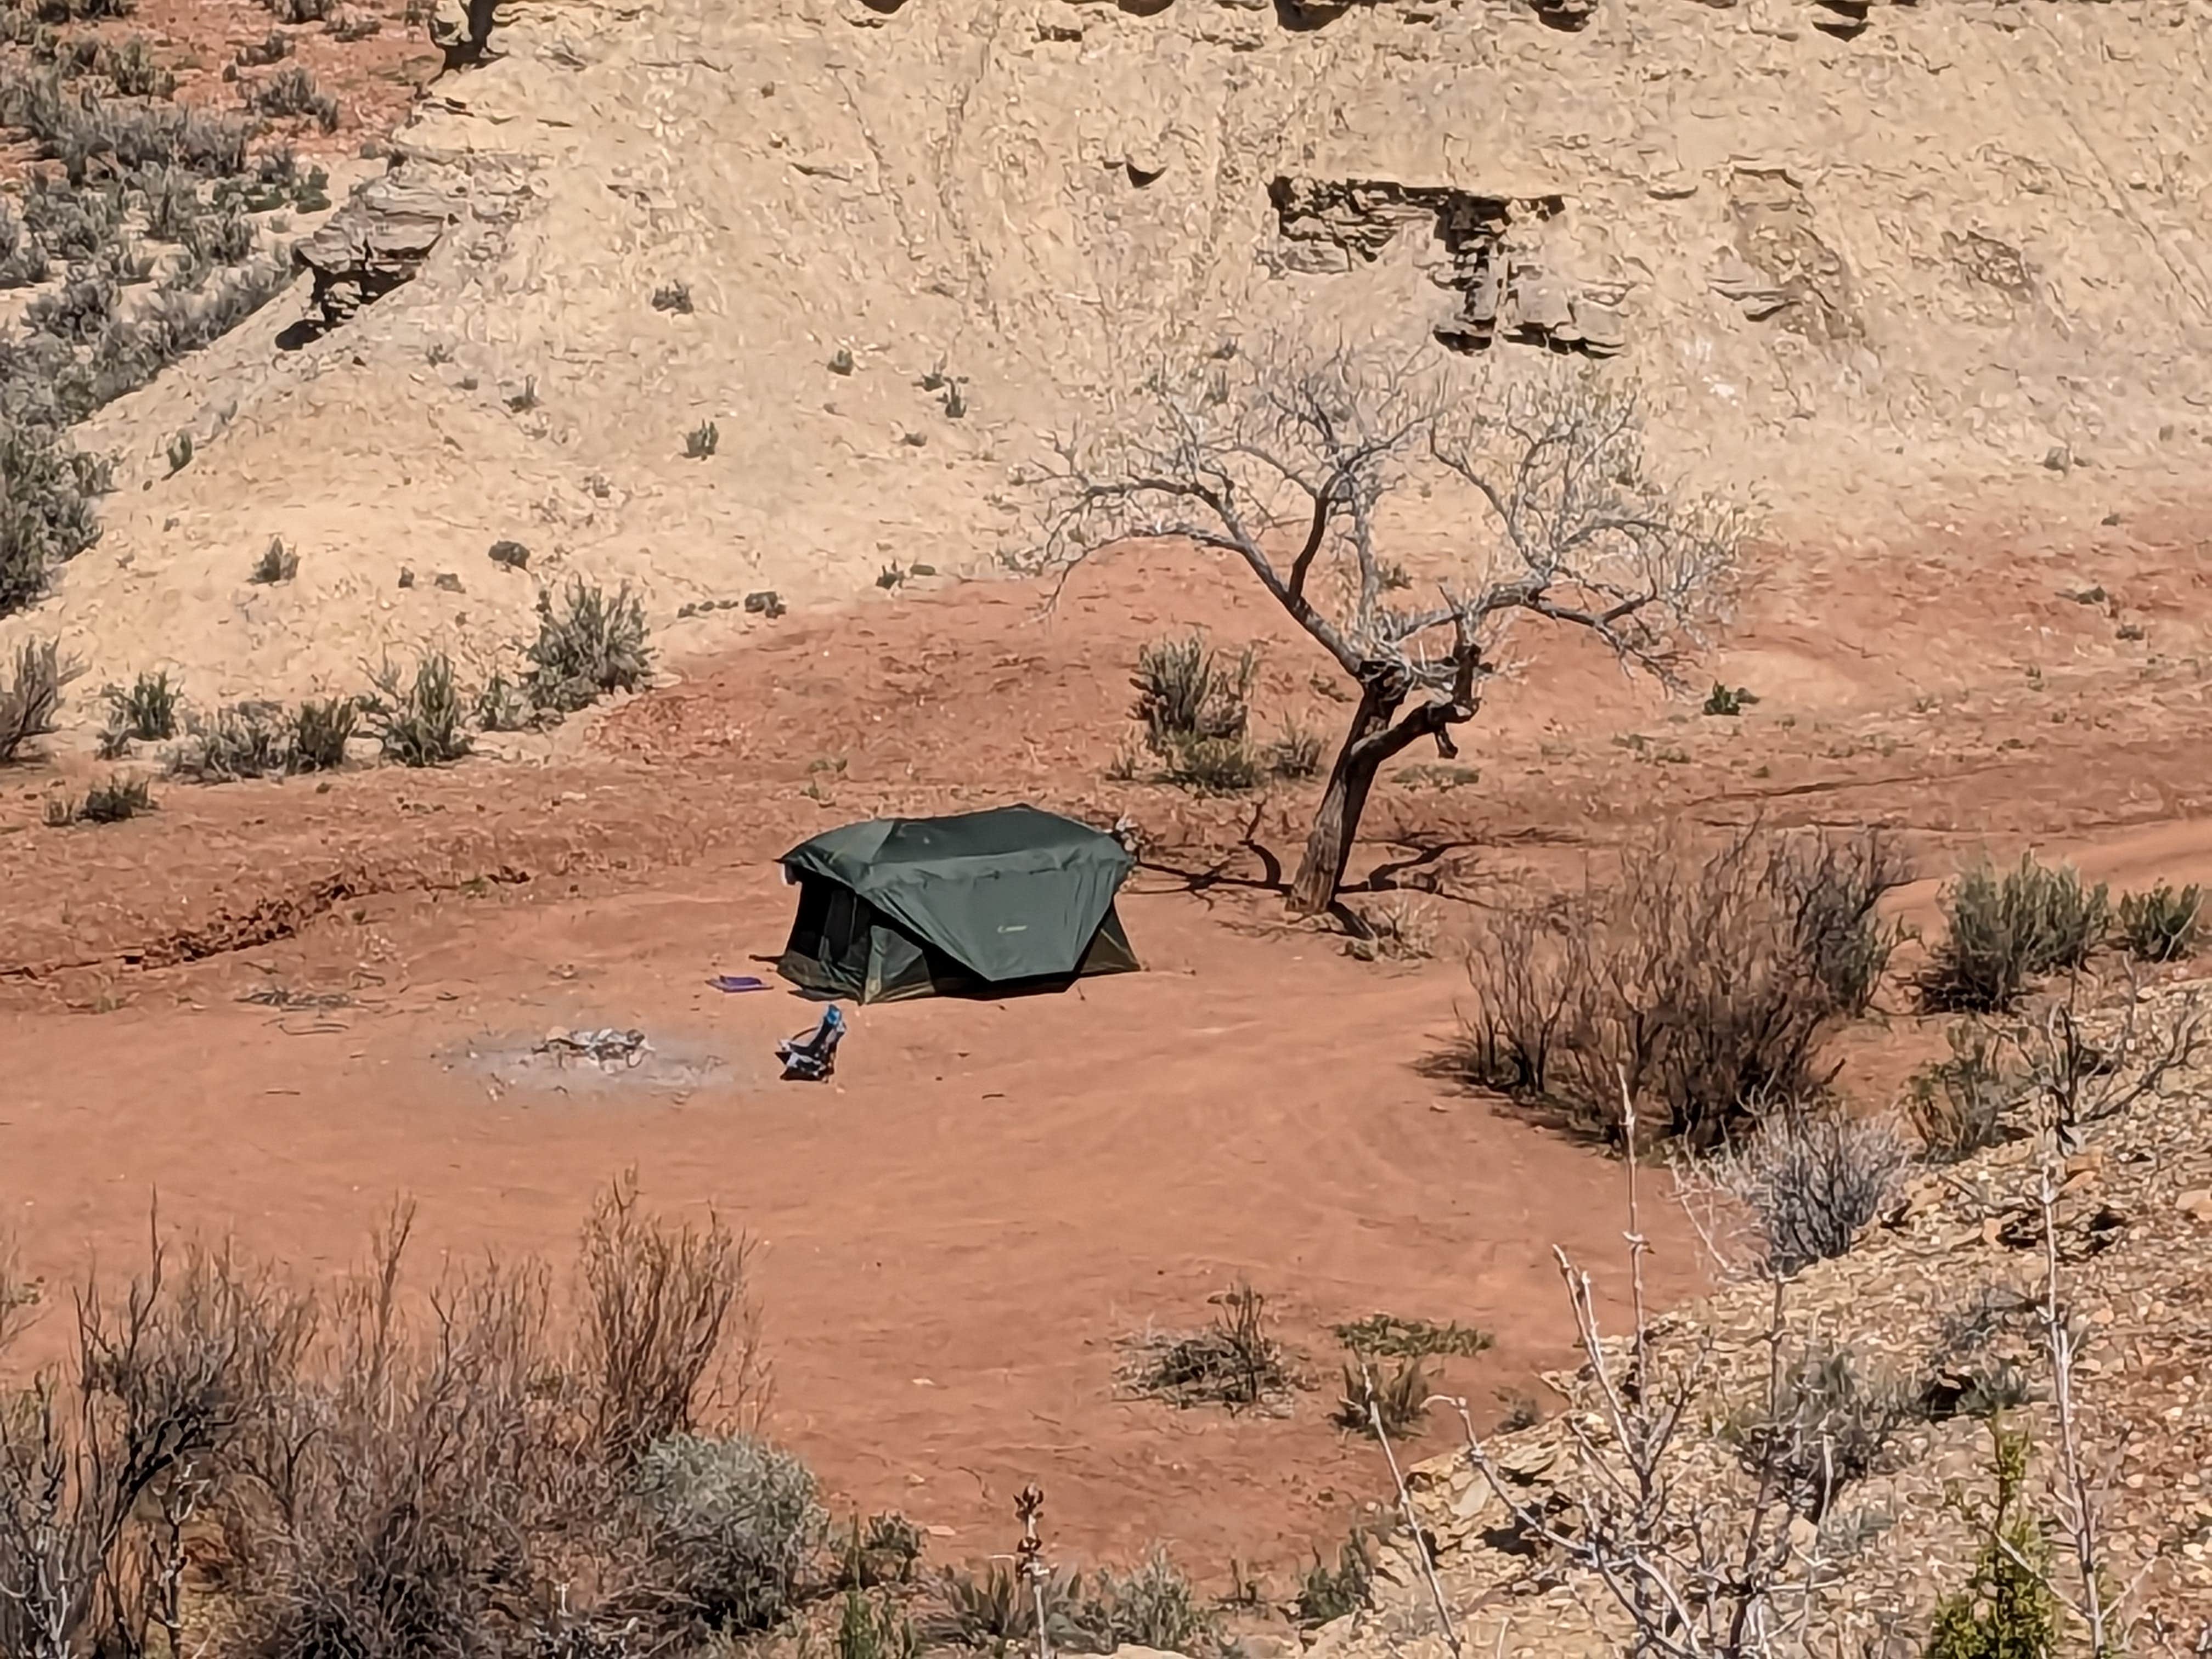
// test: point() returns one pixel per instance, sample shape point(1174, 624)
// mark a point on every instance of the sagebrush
point(2003, 930)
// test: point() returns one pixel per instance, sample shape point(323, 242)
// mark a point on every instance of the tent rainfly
point(1014, 899)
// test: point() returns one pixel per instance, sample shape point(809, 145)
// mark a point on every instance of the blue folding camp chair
point(810, 1057)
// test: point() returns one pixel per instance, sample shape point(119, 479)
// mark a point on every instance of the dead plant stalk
point(2074, 1496)
point(1411, 1517)
point(1697, 1579)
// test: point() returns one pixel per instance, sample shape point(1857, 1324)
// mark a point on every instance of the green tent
point(985, 902)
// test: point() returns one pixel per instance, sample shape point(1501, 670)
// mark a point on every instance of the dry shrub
point(320, 731)
point(1400, 1399)
point(1831, 1420)
point(1234, 1361)
point(33, 696)
point(1809, 1179)
point(2162, 924)
point(248, 739)
point(1389, 1337)
point(1711, 983)
point(1156, 1607)
point(1326, 1592)
point(1196, 707)
point(1957, 1106)
point(107, 1458)
point(1401, 928)
point(659, 1306)
point(147, 710)
point(388, 1474)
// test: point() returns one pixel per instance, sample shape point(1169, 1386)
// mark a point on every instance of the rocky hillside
point(1906, 1359)
point(861, 251)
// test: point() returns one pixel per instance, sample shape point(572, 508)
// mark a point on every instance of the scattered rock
point(448, 581)
point(514, 555)
point(766, 603)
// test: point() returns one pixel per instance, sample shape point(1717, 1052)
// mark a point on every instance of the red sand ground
point(954, 1234)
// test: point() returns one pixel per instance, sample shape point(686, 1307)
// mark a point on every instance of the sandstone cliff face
point(1837, 240)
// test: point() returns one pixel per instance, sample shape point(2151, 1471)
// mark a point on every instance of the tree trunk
point(1336, 823)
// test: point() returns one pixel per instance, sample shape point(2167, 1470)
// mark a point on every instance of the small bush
point(416, 721)
point(501, 707)
point(272, 48)
point(1830, 1423)
point(1400, 1399)
point(1186, 693)
point(735, 1524)
point(147, 710)
point(1232, 1362)
point(277, 563)
point(1212, 766)
point(1155, 1607)
point(1957, 1106)
point(46, 516)
point(1386, 1336)
point(246, 740)
point(72, 222)
point(1295, 754)
point(79, 311)
point(33, 696)
point(1330, 1592)
point(1728, 702)
point(86, 134)
point(673, 297)
point(302, 11)
point(2002, 931)
point(2006, 1609)
point(997, 1610)
point(212, 240)
point(593, 646)
point(292, 93)
point(885, 1552)
point(1811, 1178)
point(320, 731)
point(132, 71)
point(657, 1301)
point(24, 261)
point(702, 440)
point(874, 1627)
point(1401, 928)
point(112, 802)
point(2162, 925)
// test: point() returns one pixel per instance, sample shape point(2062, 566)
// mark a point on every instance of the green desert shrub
point(735, 1524)
point(418, 719)
point(2002, 930)
point(588, 646)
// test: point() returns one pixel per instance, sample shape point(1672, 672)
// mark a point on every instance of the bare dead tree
point(1285, 460)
